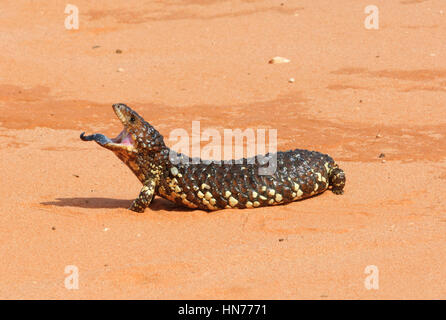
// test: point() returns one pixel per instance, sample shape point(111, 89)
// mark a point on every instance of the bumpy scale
point(197, 183)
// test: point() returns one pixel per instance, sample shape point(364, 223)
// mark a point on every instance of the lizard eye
point(132, 119)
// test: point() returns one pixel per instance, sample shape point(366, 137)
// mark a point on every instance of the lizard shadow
point(110, 203)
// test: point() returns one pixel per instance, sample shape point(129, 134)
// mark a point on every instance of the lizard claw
point(137, 207)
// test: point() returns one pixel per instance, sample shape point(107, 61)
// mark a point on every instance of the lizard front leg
point(144, 198)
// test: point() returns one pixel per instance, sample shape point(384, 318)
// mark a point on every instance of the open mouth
point(124, 140)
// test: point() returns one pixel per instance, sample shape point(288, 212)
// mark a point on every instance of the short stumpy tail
point(337, 180)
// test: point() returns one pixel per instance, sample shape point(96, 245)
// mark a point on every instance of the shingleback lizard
point(209, 185)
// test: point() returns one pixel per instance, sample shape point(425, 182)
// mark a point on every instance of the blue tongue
point(98, 137)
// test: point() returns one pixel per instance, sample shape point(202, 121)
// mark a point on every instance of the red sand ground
point(207, 61)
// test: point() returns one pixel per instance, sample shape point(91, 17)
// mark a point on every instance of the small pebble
point(277, 60)
point(378, 136)
point(381, 155)
point(118, 51)
point(291, 80)
point(53, 228)
point(120, 70)
point(106, 229)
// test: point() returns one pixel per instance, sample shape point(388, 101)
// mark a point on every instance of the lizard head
point(136, 141)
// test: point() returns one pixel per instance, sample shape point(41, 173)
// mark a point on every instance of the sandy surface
point(63, 201)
